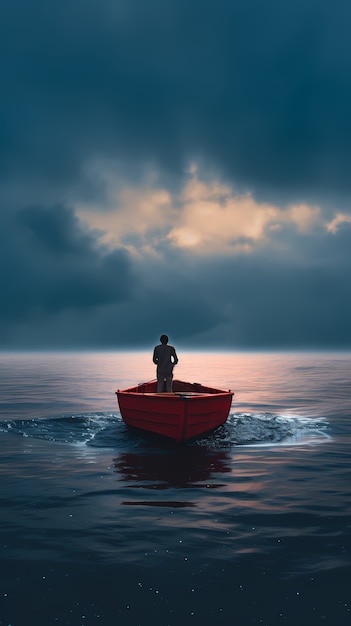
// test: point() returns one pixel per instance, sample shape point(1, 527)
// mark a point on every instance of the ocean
point(103, 525)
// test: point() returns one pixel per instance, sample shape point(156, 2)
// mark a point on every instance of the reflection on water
point(186, 467)
point(183, 468)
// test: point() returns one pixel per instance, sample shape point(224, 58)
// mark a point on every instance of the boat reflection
point(185, 467)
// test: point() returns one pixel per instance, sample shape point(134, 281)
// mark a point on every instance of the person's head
point(164, 339)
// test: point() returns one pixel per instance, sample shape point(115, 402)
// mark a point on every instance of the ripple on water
point(103, 430)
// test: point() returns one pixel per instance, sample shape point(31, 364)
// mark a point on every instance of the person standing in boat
point(165, 357)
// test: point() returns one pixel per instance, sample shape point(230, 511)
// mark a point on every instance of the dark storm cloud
point(258, 93)
point(49, 264)
point(63, 290)
point(259, 90)
point(297, 299)
point(60, 287)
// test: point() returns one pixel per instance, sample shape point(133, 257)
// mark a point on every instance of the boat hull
point(189, 411)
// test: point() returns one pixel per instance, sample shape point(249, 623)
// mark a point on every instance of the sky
point(178, 167)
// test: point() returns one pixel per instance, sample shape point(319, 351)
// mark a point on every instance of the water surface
point(103, 525)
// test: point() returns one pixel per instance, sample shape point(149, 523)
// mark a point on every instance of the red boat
point(188, 411)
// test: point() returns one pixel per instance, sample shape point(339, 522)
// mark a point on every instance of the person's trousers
point(163, 378)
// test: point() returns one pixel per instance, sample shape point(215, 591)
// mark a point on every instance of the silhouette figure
point(165, 357)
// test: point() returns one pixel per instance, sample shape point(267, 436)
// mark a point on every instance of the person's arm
point(175, 358)
point(155, 357)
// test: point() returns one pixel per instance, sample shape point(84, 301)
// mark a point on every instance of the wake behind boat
point(190, 410)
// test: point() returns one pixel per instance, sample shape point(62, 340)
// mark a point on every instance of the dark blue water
point(248, 525)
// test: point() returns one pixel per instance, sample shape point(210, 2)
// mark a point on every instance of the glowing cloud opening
point(207, 217)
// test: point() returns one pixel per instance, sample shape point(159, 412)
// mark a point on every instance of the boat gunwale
point(172, 395)
point(165, 394)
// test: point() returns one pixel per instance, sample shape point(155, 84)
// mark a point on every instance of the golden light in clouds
point(340, 218)
point(206, 218)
